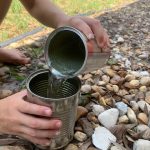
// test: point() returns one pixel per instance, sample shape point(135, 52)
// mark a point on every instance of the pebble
point(141, 144)
point(131, 115)
point(141, 128)
point(71, 147)
point(5, 93)
point(143, 89)
point(134, 83)
point(134, 105)
point(114, 148)
point(142, 105)
point(122, 107)
point(80, 136)
point(145, 81)
point(102, 138)
point(4, 70)
point(147, 97)
point(23, 68)
point(81, 111)
point(112, 114)
point(35, 44)
point(97, 109)
point(86, 126)
point(123, 119)
point(120, 40)
point(142, 117)
point(86, 88)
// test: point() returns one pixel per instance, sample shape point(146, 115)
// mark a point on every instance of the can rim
point(30, 77)
point(54, 33)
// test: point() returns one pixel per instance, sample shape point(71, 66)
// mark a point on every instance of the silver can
point(63, 108)
point(67, 53)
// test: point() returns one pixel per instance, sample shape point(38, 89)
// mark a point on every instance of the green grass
point(19, 21)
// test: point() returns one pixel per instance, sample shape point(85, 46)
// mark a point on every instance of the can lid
point(66, 51)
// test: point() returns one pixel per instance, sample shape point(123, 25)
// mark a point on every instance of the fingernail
point(58, 124)
point(90, 36)
point(47, 111)
point(47, 144)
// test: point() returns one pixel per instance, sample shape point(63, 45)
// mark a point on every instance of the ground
point(129, 30)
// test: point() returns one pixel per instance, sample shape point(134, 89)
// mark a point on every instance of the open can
point(67, 53)
point(63, 108)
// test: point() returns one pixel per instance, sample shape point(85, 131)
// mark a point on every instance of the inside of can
point(66, 52)
point(38, 85)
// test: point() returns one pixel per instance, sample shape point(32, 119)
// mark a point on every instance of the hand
point(17, 117)
point(92, 29)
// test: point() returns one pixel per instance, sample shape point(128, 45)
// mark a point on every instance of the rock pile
point(114, 109)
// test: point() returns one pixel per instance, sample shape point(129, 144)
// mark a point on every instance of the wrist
point(63, 21)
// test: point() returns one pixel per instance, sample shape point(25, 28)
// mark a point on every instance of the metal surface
point(65, 51)
point(63, 108)
point(67, 54)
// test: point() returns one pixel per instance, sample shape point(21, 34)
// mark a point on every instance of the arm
point(45, 12)
point(49, 14)
point(4, 6)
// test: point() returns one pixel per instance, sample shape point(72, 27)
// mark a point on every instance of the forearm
point(4, 6)
point(46, 12)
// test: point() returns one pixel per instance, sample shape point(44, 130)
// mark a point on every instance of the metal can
point(67, 54)
point(63, 108)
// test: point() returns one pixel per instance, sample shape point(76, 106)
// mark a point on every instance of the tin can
point(63, 108)
point(67, 53)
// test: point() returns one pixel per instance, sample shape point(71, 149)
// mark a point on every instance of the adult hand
point(92, 28)
point(17, 117)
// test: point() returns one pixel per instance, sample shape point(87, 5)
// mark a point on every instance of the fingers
point(34, 109)
point(41, 123)
point(35, 140)
point(82, 26)
point(40, 133)
point(101, 36)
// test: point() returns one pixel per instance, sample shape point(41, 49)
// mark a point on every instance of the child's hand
point(17, 118)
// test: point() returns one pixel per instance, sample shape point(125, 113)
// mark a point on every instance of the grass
point(19, 21)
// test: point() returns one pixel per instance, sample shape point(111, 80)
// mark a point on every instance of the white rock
point(102, 138)
point(118, 57)
point(114, 148)
point(127, 63)
point(97, 109)
point(131, 115)
point(141, 128)
point(86, 88)
point(122, 107)
point(141, 145)
point(120, 40)
point(109, 117)
point(144, 73)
